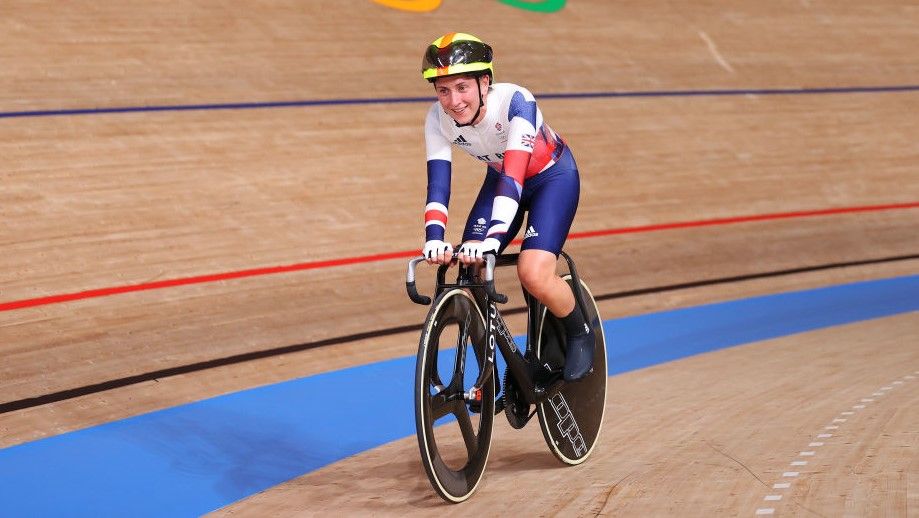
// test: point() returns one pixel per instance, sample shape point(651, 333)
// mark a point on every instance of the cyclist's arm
point(522, 115)
point(439, 155)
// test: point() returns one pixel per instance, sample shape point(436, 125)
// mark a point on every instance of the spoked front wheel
point(572, 417)
point(454, 439)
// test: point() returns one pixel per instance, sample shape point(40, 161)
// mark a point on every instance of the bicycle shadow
point(515, 451)
point(521, 462)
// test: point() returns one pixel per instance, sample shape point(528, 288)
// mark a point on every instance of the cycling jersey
point(512, 139)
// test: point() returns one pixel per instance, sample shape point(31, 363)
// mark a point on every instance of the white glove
point(476, 250)
point(435, 247)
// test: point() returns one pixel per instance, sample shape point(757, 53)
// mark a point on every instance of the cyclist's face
point(459, 96)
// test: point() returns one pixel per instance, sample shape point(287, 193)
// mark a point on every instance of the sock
point(574, 323)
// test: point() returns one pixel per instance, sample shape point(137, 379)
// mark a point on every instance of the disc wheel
point(454, 440)
point(571, 418)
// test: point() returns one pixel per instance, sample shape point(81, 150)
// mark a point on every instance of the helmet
point(456, 53)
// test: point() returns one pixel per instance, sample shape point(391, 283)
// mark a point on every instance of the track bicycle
point(457, 390)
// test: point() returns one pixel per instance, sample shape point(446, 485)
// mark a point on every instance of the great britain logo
point(424, 6)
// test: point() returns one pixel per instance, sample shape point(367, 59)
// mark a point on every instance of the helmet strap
point(478, 110)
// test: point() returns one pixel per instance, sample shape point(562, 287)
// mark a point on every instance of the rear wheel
point(454, 440)
point(571, 418)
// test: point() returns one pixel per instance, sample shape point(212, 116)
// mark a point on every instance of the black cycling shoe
point(579, 359)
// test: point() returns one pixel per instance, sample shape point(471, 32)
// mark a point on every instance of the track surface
point(144, 146)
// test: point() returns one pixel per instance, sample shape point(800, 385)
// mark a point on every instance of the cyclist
point(529, 168)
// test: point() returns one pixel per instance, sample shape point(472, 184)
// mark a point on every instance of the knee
point(536, 278)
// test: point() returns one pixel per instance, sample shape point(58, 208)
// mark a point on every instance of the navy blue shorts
point(550, 198)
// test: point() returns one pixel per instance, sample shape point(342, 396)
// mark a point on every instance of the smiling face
point(459, 96)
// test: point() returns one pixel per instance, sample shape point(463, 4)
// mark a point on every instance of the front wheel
point(453, 438)
point(572, 417)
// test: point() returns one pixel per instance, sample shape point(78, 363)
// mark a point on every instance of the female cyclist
point(529, 169)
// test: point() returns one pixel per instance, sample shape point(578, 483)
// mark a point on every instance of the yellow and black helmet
point(457, 53)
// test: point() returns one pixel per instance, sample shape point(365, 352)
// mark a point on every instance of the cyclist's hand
point(438, 252)
point(472, 252)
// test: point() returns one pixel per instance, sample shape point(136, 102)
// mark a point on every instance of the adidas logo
point(460, 141)
point(531, 232)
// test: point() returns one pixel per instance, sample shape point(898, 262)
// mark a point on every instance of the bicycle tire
point(454, 308)
point(572, 418)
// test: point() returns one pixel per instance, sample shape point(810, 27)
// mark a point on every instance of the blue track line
point(195, 458)
point(404, 100)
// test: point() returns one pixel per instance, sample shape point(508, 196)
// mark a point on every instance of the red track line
point(313, 265)
point(744, 219)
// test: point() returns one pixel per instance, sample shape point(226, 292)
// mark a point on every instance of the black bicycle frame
point(523, 367)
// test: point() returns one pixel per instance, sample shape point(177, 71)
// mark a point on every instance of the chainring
point(516, 409)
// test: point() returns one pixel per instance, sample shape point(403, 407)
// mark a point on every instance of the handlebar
point(425, 300)
point(490, 280)
point(410, 283)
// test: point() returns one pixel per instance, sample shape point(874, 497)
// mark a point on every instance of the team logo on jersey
point(531, 232)
point(501, 132)
point(528, 141)
point(460, 141)
point(479, 226)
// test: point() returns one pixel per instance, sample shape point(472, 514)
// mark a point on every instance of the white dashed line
point(811, 453)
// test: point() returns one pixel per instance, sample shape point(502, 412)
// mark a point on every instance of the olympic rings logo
point(423, 6)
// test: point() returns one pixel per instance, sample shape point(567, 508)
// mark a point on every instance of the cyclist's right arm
point(439, 156)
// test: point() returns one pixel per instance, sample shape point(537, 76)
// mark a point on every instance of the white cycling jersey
point(512, 122)
point(511, 138)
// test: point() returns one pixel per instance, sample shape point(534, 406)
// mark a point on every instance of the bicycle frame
point(536, 382)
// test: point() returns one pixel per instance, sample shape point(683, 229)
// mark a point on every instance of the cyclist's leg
point(552, 202)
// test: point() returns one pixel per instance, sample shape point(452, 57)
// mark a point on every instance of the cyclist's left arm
point(522, 116)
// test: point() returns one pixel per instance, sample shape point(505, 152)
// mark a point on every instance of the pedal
point(474, 400)
point(474, 397)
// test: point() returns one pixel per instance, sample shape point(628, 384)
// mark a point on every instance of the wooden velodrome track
point(109, 199)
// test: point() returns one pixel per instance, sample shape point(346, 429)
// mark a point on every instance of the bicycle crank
point(516, 409)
